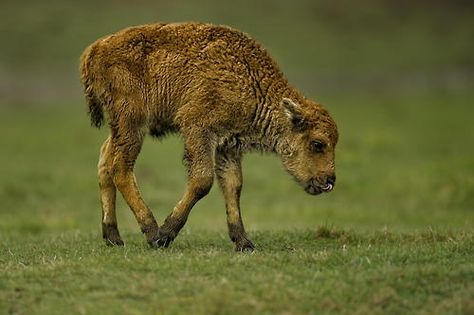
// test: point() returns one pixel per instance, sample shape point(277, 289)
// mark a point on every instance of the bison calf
point(223, 93)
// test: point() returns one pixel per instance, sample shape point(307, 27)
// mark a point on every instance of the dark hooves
point(111, 235)
point(163, 240)
point(113, 242)
point(244, 246)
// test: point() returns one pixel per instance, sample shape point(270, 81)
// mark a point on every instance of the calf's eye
point(317, 146)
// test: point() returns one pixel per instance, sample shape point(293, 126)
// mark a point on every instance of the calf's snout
point(331, 180)
point(329, 183)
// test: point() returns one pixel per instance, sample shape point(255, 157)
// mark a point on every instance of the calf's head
point(311, 142)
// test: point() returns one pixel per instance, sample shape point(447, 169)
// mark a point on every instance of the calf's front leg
point(229, 175)
point(199, 159)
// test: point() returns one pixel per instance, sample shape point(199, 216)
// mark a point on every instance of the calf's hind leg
point(229, 175)
point(127, 145)
point(107, 189)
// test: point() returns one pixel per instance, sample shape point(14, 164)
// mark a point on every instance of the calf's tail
point(96, 112)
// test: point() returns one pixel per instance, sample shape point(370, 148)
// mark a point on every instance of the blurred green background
point(396, 75)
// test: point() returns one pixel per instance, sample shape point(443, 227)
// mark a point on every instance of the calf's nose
point(331, 180)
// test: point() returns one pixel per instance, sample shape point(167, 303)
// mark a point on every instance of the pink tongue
point(328, 187)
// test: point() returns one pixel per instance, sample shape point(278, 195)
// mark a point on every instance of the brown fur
point(223, 93)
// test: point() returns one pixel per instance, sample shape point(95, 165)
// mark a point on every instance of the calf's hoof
point(162, 240)
point(111, 235)
point(113, 242)
point(244, 245)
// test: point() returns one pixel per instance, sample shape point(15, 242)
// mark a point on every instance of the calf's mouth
point(314, 188)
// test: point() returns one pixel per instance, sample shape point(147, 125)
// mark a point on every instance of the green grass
point(402, 209)
point(297, 272)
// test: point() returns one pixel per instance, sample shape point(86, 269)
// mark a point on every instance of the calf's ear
point(294, 113)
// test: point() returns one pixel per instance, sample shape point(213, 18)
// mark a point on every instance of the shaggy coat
point(223, 93)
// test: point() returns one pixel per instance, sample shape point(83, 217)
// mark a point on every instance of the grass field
point(297, 272)
point(396, 236)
